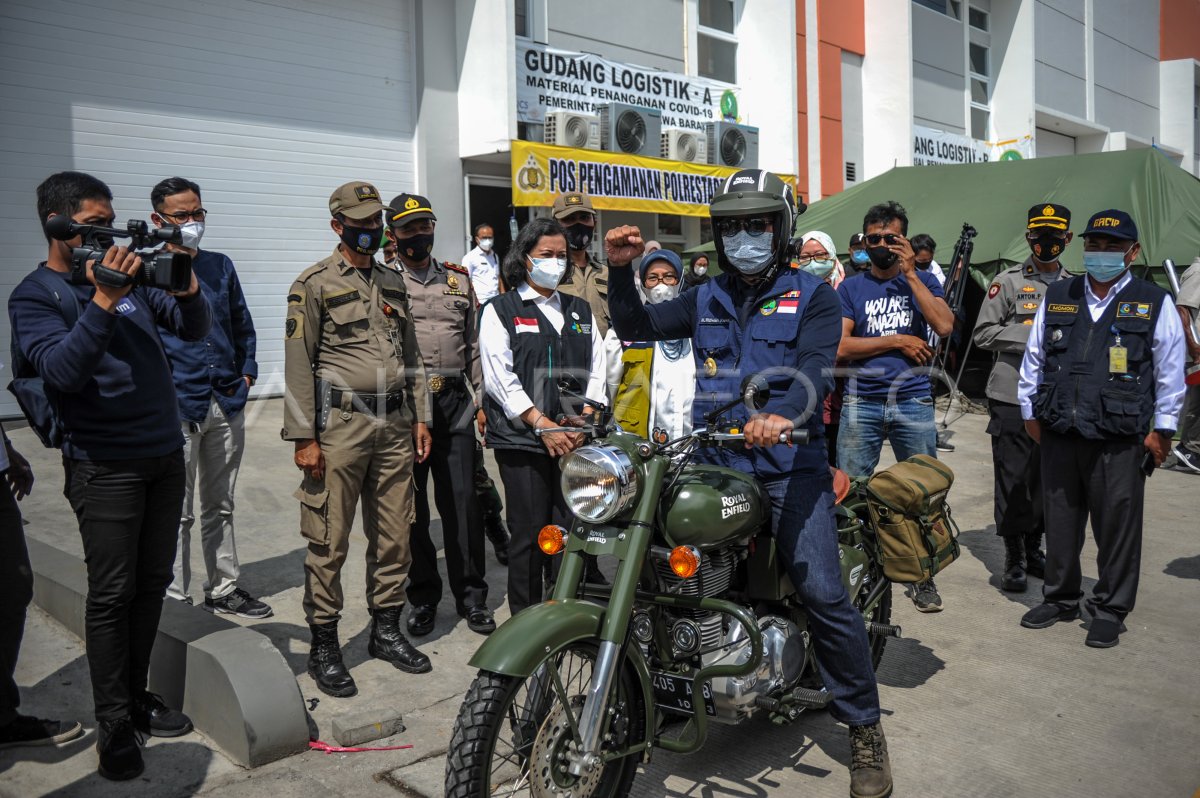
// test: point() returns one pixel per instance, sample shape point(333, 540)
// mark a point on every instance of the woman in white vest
point(652, 383)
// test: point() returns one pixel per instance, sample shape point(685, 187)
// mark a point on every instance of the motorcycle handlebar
point(796, 436)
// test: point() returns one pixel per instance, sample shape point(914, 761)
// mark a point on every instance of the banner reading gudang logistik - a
point(615, 181)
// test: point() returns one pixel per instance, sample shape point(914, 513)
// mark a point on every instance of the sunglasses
point(755, 227)
point(874, 239)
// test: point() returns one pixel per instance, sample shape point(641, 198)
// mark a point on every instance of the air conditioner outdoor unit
point(732, 145)
point(568, 129)
point(685, 145)
point(628, 128)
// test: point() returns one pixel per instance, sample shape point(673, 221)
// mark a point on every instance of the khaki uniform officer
point(587, 278)
point(356, 406)
point(442, 305)
point(1003, 326)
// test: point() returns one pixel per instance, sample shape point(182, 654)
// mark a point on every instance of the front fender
point(522, 643)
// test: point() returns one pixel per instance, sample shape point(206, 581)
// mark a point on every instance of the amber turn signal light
point(550, 539)
point(685, 561)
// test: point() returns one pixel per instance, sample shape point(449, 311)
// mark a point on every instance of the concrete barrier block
point(231, 680)
point(376, 723)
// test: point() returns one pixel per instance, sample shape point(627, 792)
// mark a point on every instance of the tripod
point(955, 292)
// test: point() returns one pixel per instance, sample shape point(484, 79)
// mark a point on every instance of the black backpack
point(38, 402)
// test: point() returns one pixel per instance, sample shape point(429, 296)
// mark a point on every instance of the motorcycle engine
point(784, 655)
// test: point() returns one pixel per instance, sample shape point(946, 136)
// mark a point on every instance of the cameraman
point(110, 383)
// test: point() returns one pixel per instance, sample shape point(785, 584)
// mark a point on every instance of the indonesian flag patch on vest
point(525, 325)
point(789, 305)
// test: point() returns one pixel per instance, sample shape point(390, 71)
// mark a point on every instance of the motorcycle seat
point(841, 484)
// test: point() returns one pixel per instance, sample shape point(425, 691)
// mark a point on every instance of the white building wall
point(1060, 41)
point(938, 70)
point(766, 66)
point(887, 79)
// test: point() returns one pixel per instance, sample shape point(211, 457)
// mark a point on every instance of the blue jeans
point(907, 423)
point(806, 536)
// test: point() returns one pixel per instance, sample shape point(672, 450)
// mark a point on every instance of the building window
point(979, 123)
point(979, 60)
point(951, 8)
point(716, 46)
point(977, 18)
point(522, 17)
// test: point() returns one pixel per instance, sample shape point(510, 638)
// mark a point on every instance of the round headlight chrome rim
point(598, 483)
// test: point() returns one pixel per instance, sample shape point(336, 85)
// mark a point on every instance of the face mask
point(1104, 266)
point(416, 248)
point(746, 253)
point(579, 236)
point(859, 257)
point(699, 270)
point(363, 240)
point(820, 268)
point(547, 272)
point(923, 265)
point(192, 233)
point(1046, 249)
point(485, 244)
point(881, 257)
point(662, 293)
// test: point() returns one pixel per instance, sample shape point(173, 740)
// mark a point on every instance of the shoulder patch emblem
point(295, 327)
point(995, 289)
point(1062, 308)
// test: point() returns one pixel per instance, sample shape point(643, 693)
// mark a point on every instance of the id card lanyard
point(1118, 356)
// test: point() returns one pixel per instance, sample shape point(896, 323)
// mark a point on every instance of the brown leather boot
point(870, 769)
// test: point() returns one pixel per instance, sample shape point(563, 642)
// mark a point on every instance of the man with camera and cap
point(1002, 327)
point(443, 309)
point(762, 317)
point(89, 328)
point(587, 278)
point(356, 408)
point(1101, 389)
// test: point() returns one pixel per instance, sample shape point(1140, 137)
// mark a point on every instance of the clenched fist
point(623, 244)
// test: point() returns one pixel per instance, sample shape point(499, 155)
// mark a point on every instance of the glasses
point(183, 216)
point(653, 280)
point(874, 239)
point(755, 227)
point(804, 260)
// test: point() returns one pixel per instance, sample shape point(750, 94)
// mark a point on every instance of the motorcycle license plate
point(674, 694)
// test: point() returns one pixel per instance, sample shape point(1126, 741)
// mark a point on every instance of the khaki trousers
point(368, 458)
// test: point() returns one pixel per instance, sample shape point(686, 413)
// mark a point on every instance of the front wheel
point(514, 735)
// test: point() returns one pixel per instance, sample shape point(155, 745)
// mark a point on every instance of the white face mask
point(700, 269)
point(547, 272)
point(192, 233)
point(485, 244)
point(662, 293)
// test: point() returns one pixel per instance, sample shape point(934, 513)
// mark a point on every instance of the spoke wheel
point(516, 736)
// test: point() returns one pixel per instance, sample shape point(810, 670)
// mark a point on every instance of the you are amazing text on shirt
point(888, 315)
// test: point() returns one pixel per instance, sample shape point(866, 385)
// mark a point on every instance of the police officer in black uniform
point(1101, 389)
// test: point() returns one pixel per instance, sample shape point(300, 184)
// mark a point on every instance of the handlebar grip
point(797, 436)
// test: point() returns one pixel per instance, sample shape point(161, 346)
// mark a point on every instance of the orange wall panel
point(1179, 30)
point(843, 23)
point(829, 62)
point(831, 157)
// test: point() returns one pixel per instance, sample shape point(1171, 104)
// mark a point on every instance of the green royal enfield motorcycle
point(701, 623)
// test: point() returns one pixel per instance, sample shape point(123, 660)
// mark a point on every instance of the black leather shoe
point(325, 664)
point(497, 532)
point(388, 644)
point(1013, 579)
point(151, 716)
point(1035, 563)
point(421, 618)
point(479, 619)
point(1103, 633)
point(120, 750)
point(1044, 615)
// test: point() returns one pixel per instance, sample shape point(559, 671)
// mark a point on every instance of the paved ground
point(974, 704)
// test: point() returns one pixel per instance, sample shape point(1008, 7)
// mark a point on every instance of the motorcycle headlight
point(598, 482)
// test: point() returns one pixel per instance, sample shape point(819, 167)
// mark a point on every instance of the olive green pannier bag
point(917, 538)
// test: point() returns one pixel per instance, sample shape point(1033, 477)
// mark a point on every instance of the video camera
point(170, 271)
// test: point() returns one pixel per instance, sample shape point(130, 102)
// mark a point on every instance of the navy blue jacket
point(216, 364)
point(108, 373)
point(789, 329)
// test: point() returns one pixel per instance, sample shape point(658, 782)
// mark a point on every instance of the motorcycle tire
point(496, 703)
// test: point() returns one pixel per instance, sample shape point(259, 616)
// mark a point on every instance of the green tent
point(995, 198)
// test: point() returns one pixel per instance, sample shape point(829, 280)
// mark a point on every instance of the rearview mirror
point(756, 391)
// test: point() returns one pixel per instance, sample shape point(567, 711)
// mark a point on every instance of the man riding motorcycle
point(761, 316)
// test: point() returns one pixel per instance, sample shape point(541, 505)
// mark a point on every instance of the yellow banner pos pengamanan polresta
point(616, 181)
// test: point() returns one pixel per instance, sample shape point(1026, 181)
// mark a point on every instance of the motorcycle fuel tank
point(710, 506)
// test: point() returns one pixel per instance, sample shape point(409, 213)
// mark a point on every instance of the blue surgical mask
point(860, 257)
point(1104, 266)
point(821, 268)
point(547, 272)
point(747, 253)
